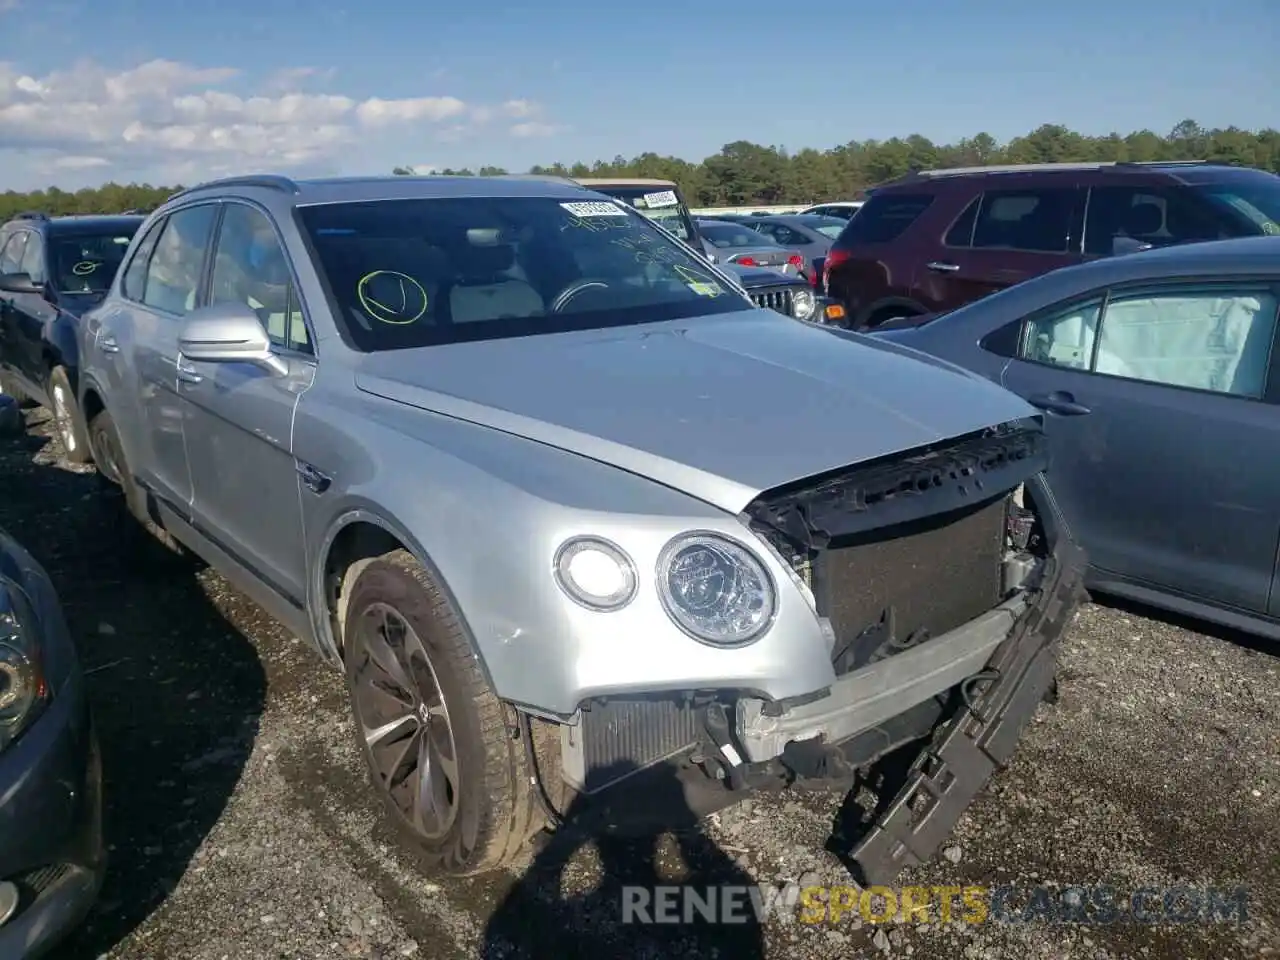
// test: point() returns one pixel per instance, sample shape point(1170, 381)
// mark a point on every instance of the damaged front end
point(942, 590)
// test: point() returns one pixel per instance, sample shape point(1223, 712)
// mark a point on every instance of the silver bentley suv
point(568, 509)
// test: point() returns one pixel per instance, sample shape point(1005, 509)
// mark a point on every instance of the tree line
point(746, 173)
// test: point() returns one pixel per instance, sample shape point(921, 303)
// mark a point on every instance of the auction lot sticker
point(594, 208)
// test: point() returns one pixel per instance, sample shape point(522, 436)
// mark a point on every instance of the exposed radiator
point(897, 587)
point(622, 736)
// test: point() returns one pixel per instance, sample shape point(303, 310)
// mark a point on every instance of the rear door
point(1165, 433)
point(1004, 236)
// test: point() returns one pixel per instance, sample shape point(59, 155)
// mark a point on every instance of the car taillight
point(796, 260)
point(834, 258)
point(744, 261)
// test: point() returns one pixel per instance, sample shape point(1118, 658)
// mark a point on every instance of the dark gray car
point(1159, 376)
point(51, 851)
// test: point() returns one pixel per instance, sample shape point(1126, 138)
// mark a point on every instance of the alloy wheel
point(62, 419)
point(405, 722)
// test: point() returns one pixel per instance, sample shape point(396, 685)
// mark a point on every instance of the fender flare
point(317, 607)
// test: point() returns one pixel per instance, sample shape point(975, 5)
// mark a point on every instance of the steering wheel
point(568, 293)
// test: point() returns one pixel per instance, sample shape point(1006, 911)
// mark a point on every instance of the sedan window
point(1216, 339)
point(411, 273)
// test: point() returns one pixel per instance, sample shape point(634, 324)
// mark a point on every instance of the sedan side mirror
point(226, 333)
point(19, 283)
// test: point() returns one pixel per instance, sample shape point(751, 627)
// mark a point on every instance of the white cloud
point(181, 121)
point(534, 128)
point(80, 163)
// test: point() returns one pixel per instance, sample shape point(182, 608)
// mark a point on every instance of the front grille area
point(774, 298)
point(907, 547)
point(898, 587)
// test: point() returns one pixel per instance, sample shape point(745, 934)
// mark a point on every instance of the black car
point(53, 269)
point(51, 849)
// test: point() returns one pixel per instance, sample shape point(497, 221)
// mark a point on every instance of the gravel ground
point(240, 825)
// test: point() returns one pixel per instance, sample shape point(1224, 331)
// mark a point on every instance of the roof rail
point(1012, 168)
point(271, 181)
point(547, 177)
point(32, 215)
point(1165, 163)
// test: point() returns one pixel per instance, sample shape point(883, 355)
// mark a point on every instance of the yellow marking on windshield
point(410, 294)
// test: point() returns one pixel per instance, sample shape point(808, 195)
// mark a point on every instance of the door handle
point(315, 481)
point(187, 374)
point(942, 267)
point(107, 344)
point(1060, 402)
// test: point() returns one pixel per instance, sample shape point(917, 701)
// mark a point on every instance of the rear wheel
point(113, 470)
point(438, 742)
point(66, 415)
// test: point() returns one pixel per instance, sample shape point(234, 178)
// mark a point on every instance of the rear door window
point(1033, 220)
point(885, 217)
point(1147, 214)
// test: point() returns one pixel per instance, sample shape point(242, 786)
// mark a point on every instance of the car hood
point(753, 277)
point(721, 408)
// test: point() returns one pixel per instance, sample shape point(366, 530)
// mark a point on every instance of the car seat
point(485, 289)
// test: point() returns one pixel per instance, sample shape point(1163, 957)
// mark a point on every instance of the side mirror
point(227, 333)
point(1123, 245)
point(19, 283)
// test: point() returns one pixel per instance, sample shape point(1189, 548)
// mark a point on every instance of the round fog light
point(595, 573)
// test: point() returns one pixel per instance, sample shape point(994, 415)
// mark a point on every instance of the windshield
point(1257, 201)
point(731, 235)
point(660, 204)
point(411, 273)
point(86, 263)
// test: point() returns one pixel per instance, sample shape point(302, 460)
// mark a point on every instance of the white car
point(844, 209)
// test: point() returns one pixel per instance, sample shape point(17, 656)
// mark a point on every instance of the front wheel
point(66, 415)
point(437, 741)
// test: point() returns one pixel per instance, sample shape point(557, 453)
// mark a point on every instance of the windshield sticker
point(85, 267)
point(594, 208)
point(665, 198)
point(699, 283)
point(391, 297)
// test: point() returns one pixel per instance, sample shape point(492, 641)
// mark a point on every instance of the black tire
point(147, 534)
point(494, 812)
point(9, 387)
point(67, 418)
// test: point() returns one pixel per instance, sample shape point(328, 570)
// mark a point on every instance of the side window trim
point(312, 354)
point(975, 206)
point(35, 244)
point(201, 287)
point(141, 257)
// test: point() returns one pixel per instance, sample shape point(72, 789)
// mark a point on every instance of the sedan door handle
point(1059, 402)
point(942, 267)
point(188, 374)
point(107, 344)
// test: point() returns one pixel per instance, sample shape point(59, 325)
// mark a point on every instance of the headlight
point(23, 692)
point(803, 305)
point(715, 589)
point(595, 573)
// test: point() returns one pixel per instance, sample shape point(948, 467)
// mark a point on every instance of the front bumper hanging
point(948, 774)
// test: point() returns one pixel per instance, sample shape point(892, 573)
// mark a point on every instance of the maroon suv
point(935, 240)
